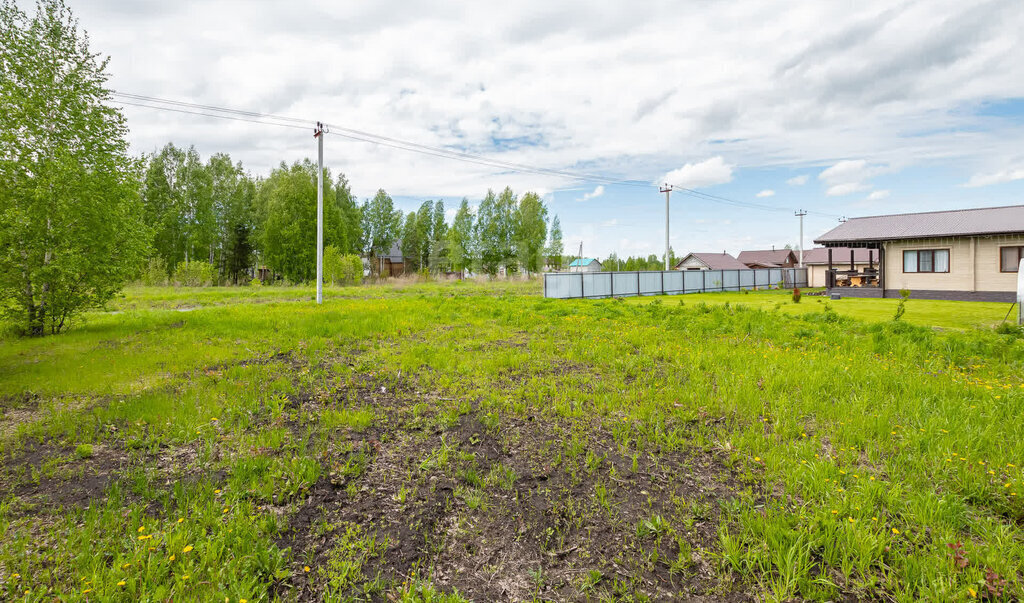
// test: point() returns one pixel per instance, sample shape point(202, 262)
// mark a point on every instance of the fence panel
point(650, 283)
point(597, 284)
point(574, 285)
point(625, 283)
point(673, 282)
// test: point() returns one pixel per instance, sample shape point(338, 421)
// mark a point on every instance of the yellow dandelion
point(895, 531)
point(126, 566)
point(186, 577)
point(973, 593)
point(305, 568)
point(142, 529)
point(852, 520)
point(171, 558)
point(186, 549)
point(88, 590)
point(834, 512)
point(757, 459)
point(121, 583)
point(181, 519)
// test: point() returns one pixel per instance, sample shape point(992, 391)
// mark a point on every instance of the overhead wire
point(218, 112)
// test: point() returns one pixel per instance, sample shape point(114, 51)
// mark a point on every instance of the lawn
point(457, 441)
point(923, 312)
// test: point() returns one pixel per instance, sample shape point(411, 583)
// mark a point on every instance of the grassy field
point(457, 441)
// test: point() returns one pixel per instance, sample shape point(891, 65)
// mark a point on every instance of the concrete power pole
point(319, 135)
point(800, 214)
point(667, 189)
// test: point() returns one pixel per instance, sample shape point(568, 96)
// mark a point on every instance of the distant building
point(389, 264)
point(768, 258)
point(966, 254)
point(585, 265)
point(710, 261)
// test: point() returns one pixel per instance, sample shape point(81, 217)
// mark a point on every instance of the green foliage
point(461, 239)
point(155, 272)
point(70, 221)
point(342, 269)
point(555, 248)
point(194, 274)
point(381, 225)
point(901, 307)
point(83, 451)
point(530, 231)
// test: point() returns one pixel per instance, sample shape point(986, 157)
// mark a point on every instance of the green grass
point(924, 312)
point(427, 442)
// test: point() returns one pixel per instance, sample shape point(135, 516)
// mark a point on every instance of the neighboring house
point(585, 265)
point(966, 254)
point(391, 263)
point(816, 261)
point(709, 261)
point(768, 258)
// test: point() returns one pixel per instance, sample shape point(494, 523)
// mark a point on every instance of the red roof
point(716, 261)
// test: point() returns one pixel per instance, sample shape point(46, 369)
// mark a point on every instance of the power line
point(218, 112)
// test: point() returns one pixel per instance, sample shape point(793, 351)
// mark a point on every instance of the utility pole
point(800, 214)
point(319, 135)
point(667, 189)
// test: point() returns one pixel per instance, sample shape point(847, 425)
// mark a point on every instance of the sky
point(838, 108)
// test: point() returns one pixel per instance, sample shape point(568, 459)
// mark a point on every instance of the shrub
point(255, 282)
point(796, 295)
point(193, 274)
point(83, 451)
point(155, 273)
point(341, 269)
point(901, 307)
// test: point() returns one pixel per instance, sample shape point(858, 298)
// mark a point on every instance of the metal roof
point(768, 257)
point(960, 222)
point(582, 262)
point(716, 261)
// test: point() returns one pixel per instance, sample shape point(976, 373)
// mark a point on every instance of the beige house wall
point(973, 264)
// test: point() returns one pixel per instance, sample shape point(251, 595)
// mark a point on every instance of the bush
point(255, 282)
point(901, 307)
point(155, 273)
point(193, 274)
point(342, 269)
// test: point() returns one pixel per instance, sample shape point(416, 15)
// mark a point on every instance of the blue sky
point(880, 107)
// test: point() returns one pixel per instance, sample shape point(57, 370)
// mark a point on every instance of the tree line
point(80, 216)
point(216, 212)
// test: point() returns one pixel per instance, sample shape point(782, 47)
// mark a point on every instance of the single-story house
point(965, 254)
point(816, 261)
point(585, 265)
point(768, 258)
point(709, 261)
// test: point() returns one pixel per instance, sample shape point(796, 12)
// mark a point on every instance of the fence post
point(638, 283)
point(583, 294)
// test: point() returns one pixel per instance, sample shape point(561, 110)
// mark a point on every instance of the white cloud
point(797, 180)
point(610, 223)
point(878, 195)
point(597, 192)
point(996, 177)
point(848, 176)
point(705, 173)
point(766, 193)
point(893, 83)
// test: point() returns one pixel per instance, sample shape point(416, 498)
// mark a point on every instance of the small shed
point(585, 265)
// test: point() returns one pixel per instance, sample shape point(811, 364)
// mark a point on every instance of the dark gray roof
point(716, 261)
point(840, 255)
point(395, 255)
point(960, 222)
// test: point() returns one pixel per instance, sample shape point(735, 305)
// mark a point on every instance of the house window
point(1009, 258)
point(926, 260)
